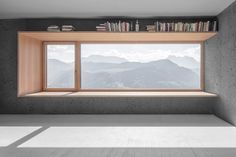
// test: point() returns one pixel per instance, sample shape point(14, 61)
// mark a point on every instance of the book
point(67, 28)
point(53, 28)
point(214, 26)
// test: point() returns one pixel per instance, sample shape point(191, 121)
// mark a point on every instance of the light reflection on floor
point(141, 136)
point(10, 134)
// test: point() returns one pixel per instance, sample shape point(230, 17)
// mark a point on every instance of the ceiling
point(96, 8)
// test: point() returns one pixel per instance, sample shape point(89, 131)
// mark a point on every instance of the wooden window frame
point(78, 68)
point(45, 88)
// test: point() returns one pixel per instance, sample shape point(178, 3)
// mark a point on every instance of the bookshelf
point(93, 36)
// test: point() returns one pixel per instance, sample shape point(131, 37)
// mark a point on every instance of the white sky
point(142, 52)
point(65, 53)
point(131, 52)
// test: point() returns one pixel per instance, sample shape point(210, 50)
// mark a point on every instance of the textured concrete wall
point(221, 65)
point(9, 103)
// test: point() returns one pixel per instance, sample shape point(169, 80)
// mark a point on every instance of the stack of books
point(67, 28)
point(151, 28)
point(186, 27)
point(53, 28)
point(101, 27)
point(115, 27)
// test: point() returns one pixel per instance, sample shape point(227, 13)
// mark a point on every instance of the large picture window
point(124, 66)
point(140, 66)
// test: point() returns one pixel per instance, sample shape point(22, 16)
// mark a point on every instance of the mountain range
point(60, 74)
point(114, 72)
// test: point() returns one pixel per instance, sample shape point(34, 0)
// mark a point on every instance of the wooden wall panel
point(29, 65)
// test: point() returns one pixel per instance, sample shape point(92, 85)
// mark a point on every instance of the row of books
point(160, 27)
point(183, 27)
point(115, 27)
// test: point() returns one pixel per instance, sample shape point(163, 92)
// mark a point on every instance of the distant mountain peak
point(186, 61)
point(162, 61)
point(178, 57)
point(104, 59)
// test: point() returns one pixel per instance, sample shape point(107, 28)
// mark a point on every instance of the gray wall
point(9, 103)
point(221, 65)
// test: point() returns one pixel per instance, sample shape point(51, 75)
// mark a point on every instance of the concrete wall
point(9, 103)
point(221, 65)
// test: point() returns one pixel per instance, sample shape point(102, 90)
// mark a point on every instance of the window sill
point(121, 94)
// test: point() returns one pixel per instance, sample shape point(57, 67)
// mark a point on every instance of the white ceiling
point(96, 8)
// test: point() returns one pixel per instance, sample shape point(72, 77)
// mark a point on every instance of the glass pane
point(60, 66)
point(150, 66)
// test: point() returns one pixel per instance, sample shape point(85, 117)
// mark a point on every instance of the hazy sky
point(142, 52)
point(131, 52)
point(63, 53)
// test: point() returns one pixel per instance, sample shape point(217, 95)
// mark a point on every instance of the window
point(123, 66)
point(60, 65)
point(141, 66)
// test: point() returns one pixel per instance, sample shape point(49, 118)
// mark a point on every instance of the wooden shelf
point(120, 36)
point(121, 94)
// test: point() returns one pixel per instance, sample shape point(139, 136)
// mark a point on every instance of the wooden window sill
point(121, 94)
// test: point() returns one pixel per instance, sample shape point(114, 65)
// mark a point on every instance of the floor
point(116, 136)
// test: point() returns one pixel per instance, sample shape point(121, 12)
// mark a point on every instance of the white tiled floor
point(89, 135)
